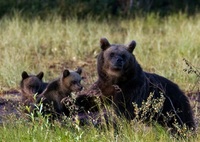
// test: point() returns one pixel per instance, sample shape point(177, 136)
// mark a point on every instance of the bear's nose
point(34, 90)
point(80, 88)
point(119, 61)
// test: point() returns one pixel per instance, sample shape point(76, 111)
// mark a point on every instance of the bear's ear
point(24, 75)
point(104, 43)
point(40, 75)
point(66, 73)
point(79, 70)
point(131, 46)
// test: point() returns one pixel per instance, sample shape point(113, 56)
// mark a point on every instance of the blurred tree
point(101, 8)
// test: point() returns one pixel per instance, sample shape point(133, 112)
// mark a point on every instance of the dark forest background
point(98, 8)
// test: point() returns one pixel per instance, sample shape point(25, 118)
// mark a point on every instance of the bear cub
point(60, 89)
point(117, 66)
point(31, 85)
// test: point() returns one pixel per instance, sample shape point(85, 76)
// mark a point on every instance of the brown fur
point(118, 68)
point(60, 88)
point(31, 85)
point(88, 109)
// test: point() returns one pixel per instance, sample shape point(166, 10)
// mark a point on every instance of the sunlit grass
point(34, 45)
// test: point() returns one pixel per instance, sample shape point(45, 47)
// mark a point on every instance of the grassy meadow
point(35, 45)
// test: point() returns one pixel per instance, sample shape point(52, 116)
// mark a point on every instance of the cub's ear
point(131, 46)
point(24, 75)
point(104, 43)
point(79, 70)
point(66, 73)
point(40, 75)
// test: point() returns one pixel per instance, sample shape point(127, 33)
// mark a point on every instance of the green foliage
point(97, 8)
point(65, 8)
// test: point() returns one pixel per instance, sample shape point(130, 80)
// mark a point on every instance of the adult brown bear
point(117, 66)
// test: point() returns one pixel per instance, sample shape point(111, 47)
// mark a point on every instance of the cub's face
point(116, 57)
point(72, 80)
point(31, 84)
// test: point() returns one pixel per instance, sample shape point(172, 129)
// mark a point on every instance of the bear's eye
point(112, 54)
point(33, 86)
point(73, 82)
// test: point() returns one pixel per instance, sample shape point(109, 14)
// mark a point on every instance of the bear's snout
point(78, 87)
point(34, 90)
point(117, 63)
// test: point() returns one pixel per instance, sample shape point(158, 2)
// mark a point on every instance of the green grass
point(50, 45)
point(41, 130)
point(36, 45)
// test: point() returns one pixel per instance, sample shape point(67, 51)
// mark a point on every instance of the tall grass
point(41, 130)
point(37, 45)
point(49, 45)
